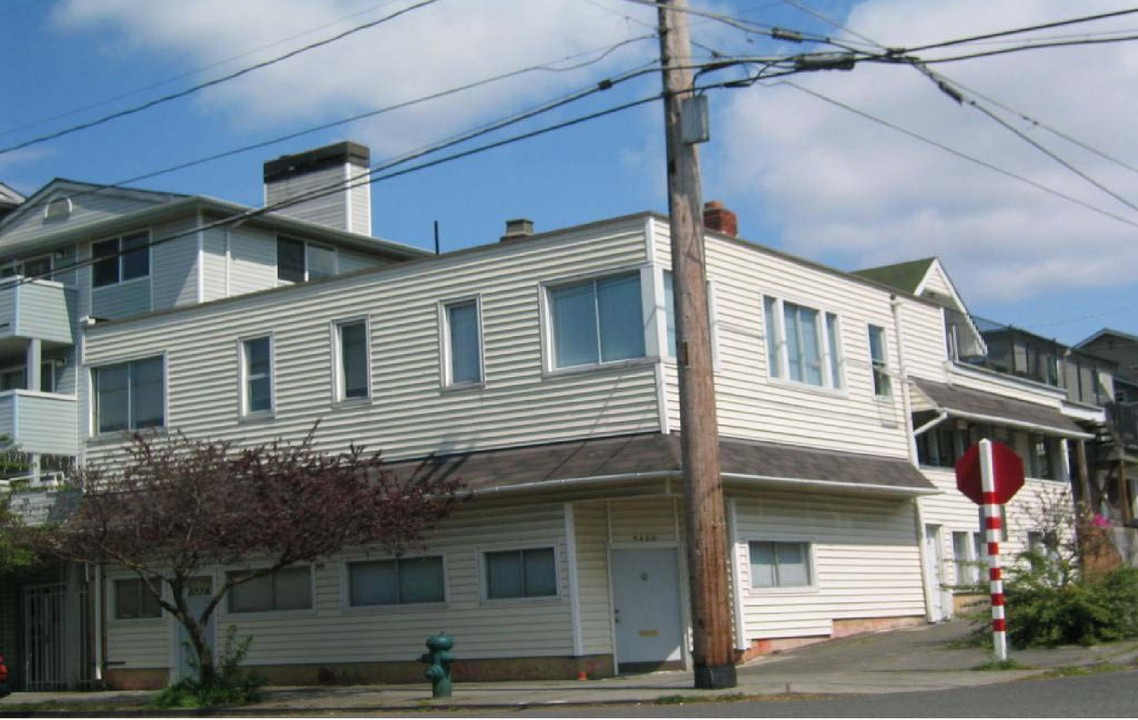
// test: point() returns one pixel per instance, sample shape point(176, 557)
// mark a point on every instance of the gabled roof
point(10, 197)
point(75, 187)
point(1108, 332)
point(906, 276)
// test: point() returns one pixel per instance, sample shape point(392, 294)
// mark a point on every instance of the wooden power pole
point(703, 488)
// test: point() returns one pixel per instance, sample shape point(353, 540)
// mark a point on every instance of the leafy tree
point(170, 508)
point(13, 557)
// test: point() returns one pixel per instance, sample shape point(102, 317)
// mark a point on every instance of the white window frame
point(92, 393)
point(445, 370)
point(119, 258)
point(243, 377)
point(484, 583)
point(347, 607)
point(114, 614)
point(830, 384)
point(545, 309)
point(223, 607)
point(884, 369)
point(712, 319)
point(339, 395)
point(811, 562)
point(306, 243)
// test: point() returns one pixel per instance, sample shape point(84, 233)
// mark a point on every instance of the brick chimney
point(293, 175)
point(517, 229)
point(718, 218)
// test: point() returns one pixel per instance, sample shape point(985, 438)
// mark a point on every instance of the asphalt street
point(1103, 695)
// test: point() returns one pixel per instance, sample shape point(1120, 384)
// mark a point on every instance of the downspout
point(911, 437)
point(97, 625)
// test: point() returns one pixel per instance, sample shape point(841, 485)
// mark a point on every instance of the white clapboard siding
point(410, 414)
point(86, 209)
point(865, 555)
point(936, 281)
point(750, 403)
point(650, 519)
point(331, 210)
point(350, 261)
point(253, 260)
point(590, 523)
point(926, 348)
point(215, 263)
point(174, 264)
point(1008, 386)
point(332, 632)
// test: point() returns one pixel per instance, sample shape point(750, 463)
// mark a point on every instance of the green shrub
point(1045, 606)
point(230, 685)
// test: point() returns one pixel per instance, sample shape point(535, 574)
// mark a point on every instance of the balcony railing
point(37, 309)
point(1123, 418)
point(38, 422)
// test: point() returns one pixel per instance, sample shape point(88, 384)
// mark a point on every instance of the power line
point(548, 66)
point(1092, 316)
point(1019, 48)
point(813, 13)
point(1016, 31)
point(214, 82)
point(957, 153)
point(190, 73)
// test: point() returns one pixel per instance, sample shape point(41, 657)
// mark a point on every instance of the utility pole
point(703, 488)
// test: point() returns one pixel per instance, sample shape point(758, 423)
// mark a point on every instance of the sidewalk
point(908, 660)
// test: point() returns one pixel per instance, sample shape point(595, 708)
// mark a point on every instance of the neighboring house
point(541, 371)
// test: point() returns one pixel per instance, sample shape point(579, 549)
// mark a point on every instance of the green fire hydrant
point(439, 660)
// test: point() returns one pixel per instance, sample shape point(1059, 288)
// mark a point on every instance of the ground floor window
point(521, 573)
point(133, 601)
point(780, 564)
point(401, 581)
point(286, 589)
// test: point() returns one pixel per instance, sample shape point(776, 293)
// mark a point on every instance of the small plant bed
point(999, 665)
point(226, 686)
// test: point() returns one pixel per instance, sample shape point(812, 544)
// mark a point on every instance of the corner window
point(120, 259)
point(257, 375)
point(597, 321)
point(354, 369)
point(521, 573)
point(133, 601)
point(879, 357)
point(462, 342)
point(300, 260)
point(130, 396)
point(286, 589)
point(780, 564)
point(670, 315)
point(802, 344)
point(403, 581)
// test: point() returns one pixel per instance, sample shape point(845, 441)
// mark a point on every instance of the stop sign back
point(1007, 475)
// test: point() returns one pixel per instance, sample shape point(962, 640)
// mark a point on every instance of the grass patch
point(1083, 670)
point(999, 665)
point(691, 699)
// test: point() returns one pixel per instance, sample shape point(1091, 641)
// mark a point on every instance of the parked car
point(4, 688)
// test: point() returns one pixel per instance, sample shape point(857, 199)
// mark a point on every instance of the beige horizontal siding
point(591, 526)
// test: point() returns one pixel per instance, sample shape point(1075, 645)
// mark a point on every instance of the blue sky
point(804, 175)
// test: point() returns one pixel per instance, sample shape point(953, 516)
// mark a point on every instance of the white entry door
point(646, 608)
point(933, 572)
point(198, 595)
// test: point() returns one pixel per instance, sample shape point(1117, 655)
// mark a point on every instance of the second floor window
point(879, 357)
point(130, 396)
point(802, 344)
point(298, 260)
point(463, 342)
point(120, 259)
point(353, 340)
point(257, 368)
point(597, 321)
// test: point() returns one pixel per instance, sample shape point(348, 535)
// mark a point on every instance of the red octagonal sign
point(1007, 475)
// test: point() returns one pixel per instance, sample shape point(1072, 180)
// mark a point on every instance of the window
point(670, 315)
point(130, 396)
point(597, 321)
point(967, 567)
point(120, 259)
point(463, 343)
point(16, 378)
point(286, 589)
point(257, 362)
point(983, 536)
point(133, 601)
point(802, 344)
point(879, 358)
point(298, 260)
point(940, 445)
point(521, 573)
point(39, 267)
point(352, 341)
point(780, 564)
point(1043, 457)
point(403, 581)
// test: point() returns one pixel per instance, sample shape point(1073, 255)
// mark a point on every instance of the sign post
point(990, 474)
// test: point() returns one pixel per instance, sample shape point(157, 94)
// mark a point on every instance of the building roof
point(985, 407)
point(655, 455)
point(905, 276)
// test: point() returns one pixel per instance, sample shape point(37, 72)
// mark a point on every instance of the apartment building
point(541, 370)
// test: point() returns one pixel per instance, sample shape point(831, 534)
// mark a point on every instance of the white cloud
point(424, 51)
point(846, 188)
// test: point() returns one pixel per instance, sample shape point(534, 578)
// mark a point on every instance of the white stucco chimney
point(290, 176)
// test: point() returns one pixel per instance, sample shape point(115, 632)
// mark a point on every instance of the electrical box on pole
point(695, 127)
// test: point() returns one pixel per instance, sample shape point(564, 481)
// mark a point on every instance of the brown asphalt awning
point(653, 456)
point(985, 407)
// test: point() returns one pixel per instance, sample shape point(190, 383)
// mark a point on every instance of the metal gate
point(44, 640)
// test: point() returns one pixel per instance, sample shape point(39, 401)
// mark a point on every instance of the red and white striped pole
point(992, 527)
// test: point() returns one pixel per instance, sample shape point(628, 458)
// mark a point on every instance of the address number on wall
point(644, 538)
